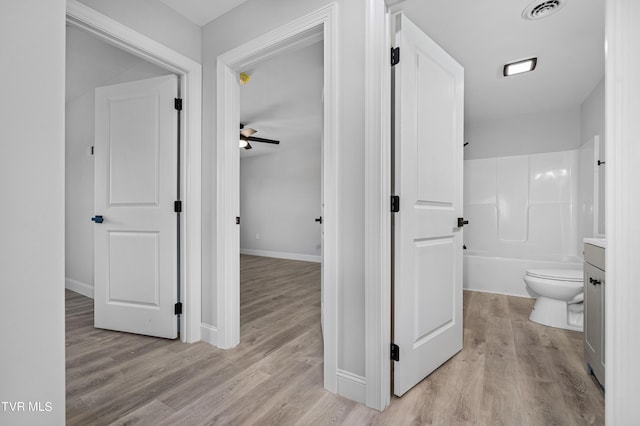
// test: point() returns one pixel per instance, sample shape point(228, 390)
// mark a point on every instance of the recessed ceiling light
point(520, 67)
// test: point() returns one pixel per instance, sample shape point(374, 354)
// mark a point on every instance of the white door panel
point(135, 187)
point(134, 151)
point(428, 140)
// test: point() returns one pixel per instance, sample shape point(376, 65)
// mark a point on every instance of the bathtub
point(504, 275)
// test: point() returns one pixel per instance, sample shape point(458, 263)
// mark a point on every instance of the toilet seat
point(567, 275)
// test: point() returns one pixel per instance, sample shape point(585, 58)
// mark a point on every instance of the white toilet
point(560, 293)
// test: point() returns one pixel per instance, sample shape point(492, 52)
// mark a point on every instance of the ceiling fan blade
point(255, 139)
point(246, 132)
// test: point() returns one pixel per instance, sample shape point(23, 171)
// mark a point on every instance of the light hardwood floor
point(510, 372)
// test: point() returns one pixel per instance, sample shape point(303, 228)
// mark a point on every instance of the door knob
point(97, 219)
point(319, 219)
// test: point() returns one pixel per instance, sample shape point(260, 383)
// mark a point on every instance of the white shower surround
point(523, 214)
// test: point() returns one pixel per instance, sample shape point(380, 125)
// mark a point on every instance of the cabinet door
point(594, 320)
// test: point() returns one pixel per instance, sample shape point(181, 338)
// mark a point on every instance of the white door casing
point(428, 141)
point(135, 187)
point(320, 24)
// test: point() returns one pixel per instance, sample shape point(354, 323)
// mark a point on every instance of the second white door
point(428, 140)
point(135, 223)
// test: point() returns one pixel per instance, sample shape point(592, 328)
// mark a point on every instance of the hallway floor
point(510, 372)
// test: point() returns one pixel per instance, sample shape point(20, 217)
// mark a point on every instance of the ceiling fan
point(246, 137)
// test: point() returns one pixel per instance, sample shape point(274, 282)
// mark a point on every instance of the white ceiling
point(283, 101)
point(201, 12)
point(483, 36)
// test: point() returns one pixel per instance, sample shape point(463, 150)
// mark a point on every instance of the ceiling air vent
point(541, 9)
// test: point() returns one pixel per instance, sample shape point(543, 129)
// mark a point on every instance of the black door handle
point(462, 222)
point(594, 282)
point(97, 219)
point(319, 219)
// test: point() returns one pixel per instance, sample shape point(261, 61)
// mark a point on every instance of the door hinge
point(178, 104)
point(462, 222)
point(178, 308)
point(395, 204)
point(395, 352)
point(92, 150)
point(395, 55)
point(237, 220)
point(177, 206)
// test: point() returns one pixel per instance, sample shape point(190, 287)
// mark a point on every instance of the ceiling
point(201, 12)
point(283, 101)
point(483, 36)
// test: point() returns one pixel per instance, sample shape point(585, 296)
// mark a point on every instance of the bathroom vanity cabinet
point(594, 282)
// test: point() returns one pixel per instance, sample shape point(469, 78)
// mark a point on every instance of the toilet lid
point(573, 275)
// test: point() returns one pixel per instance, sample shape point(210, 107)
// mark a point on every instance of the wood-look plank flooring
point(510, 372)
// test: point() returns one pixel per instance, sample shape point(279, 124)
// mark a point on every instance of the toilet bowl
point(559, 293)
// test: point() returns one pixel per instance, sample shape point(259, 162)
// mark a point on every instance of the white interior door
point(428, 161)
point(135, 189)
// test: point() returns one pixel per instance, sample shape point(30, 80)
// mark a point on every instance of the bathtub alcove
point(526, 212)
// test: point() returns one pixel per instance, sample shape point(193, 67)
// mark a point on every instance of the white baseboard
point(209, 334)
point(282, 255)
point(351, 386)
point(78, 287)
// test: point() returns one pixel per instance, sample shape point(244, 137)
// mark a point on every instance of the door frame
point(190, 73)
point(377, 220)
point(622, 208)
point(321, 24)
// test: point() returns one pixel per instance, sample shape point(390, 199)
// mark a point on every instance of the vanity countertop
point(600, 242)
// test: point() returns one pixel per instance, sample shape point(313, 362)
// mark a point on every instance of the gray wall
point(32, 215)
point(592, 120)
point(279, 200)
point(545, 131)
point(99, 64)
point(249, 20)
point(155, 20)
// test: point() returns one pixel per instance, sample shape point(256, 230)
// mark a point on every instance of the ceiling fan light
point(243, 143)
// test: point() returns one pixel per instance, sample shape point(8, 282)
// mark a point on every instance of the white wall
point(155, 20)
point(97, 64)
point(545, 131)
point(279, 200)
point(592, 121)
point(32, 214)
point(240, 25)
point(522, 206)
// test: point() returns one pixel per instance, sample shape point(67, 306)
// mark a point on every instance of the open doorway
point(280, 197)
point(129, 56)
point(316, 26)
point(118, 169)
